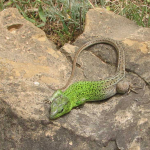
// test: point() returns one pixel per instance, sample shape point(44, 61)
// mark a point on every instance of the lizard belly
point(100, 94)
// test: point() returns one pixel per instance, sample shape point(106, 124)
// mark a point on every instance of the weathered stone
point(30, 64)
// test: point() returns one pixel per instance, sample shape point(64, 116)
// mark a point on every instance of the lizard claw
point(47, 101)
point(132, 89)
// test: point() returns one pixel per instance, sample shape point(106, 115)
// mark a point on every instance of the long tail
point(120, 73)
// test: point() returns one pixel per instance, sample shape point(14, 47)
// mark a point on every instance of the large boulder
point(30, 64)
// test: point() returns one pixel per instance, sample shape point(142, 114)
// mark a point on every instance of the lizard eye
point(61, 110)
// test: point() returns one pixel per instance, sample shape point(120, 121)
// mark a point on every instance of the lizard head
point(60, 106)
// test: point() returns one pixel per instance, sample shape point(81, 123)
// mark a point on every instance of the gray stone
point(30, 64)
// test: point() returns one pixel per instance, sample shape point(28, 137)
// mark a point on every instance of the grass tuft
point(136, 10)
point(63, 20)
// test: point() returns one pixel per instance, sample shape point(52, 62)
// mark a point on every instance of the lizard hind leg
point(123, 87)
point(126, 87)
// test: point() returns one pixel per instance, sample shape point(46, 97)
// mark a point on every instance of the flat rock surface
point(30, 64)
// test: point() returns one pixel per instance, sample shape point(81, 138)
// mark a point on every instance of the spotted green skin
point(83, 91)
point(77, 94)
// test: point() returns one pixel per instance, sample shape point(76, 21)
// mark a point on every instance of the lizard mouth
point(54, 115)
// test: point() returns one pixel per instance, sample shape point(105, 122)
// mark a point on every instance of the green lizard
point(83, 91)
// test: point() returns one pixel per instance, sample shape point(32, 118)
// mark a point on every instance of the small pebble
point(36, 83)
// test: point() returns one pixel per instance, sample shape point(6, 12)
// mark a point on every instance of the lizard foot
point(133, 89)
point(47, 101)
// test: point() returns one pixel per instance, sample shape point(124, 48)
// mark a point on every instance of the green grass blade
point(42, 14)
